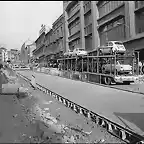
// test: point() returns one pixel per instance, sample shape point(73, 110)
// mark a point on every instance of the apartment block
point(80, 24)
point(40, 47)
point(50, 42)
point(89, 24)
point(58, 34)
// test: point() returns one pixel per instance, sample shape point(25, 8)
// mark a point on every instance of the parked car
point(113, 46)
point(15, 67)
point(119, 67)
point(25, 67)
point(68, 53)
point(79, 52)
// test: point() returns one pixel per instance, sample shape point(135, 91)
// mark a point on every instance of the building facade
point(58, 34)
point(50, 41)
point(89, 24)
point(80, 24)
point(14, 56)
point(26, 51)
point(40, 47)
point(3, 54)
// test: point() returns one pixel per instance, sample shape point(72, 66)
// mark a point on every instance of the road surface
point(122, 107)
point(78, 125)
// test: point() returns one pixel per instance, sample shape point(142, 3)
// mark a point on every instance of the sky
point(22, 20)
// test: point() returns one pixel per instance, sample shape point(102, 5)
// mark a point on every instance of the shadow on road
point(135, 118)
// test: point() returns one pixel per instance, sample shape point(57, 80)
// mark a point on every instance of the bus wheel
point(107, 80)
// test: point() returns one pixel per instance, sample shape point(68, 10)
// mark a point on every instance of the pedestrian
point(3, 78)
point(1, 66)
point(33, 83)
point(140, 67)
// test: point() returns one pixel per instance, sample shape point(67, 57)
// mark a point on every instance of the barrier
point(113, 128)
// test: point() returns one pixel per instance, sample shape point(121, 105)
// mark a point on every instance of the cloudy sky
point(22, 20)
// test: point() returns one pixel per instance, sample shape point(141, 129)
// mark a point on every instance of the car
point(24, 67)
point(68, 53)
point(79, 52)
point(113, 46)
point(119, 67)
point(15, 67)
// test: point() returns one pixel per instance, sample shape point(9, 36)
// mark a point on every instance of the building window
point(114, 31)
point(87, 19)
point(139, 4)
point(106, 7)
point(73, 7)
point(75, 22)
point(139, 20)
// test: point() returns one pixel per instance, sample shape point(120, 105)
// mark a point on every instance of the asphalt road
point(122, 107)
point(37, 117)
point(77, 126)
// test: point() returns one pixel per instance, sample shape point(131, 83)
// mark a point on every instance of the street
point(22, 120)
point(122, 107)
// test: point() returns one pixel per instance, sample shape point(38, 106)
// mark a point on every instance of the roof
point(13, 50)
point(39, 36)
point(57, 20)
point(49, 32)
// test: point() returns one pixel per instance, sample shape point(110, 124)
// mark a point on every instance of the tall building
point(89, 24)
point(80, 24)
point(50, 41)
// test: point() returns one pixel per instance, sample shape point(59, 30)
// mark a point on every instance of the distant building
point(14, 56)
point(44, 28)
point(3, 54)
point(89, 24)
point(27, 51)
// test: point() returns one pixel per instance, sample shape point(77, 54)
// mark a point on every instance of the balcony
point(69, 4)
point(88, 29)
point(139, 4)
point(74, 30)
point(77, 15)
point(74, 11)
point(87, 7)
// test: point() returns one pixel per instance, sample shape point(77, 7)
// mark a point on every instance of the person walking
point(33, 83)
point(3, 78)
